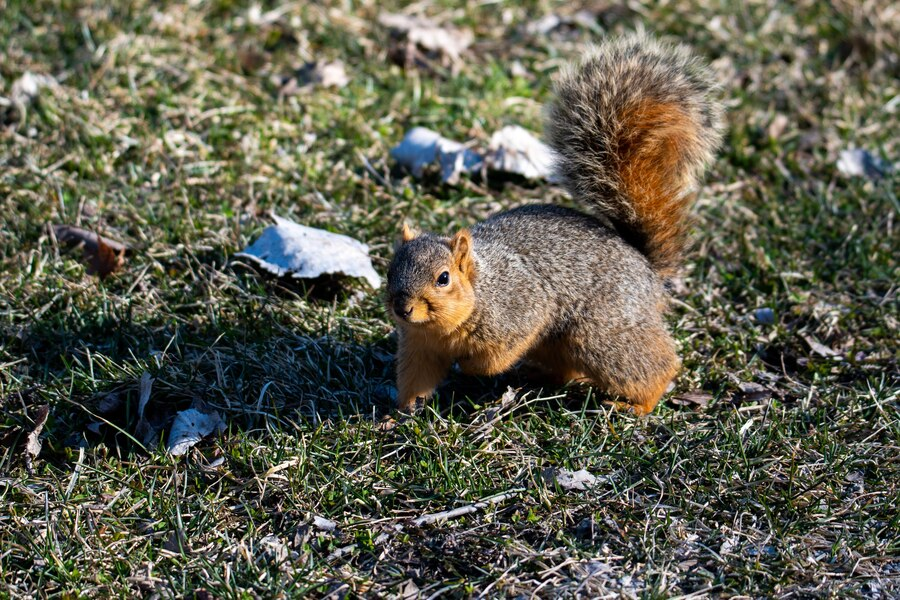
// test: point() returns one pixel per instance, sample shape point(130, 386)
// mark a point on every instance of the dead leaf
point(552, 22)
point(190, 427)
point(255, 16)
point(505, 400)
point(409, 590)
point(514, 149)
point(728, 545)
point(106, 260)
point(417, 149)
point(251, 59)
point(508, 396)
point(109, 403)
point(386, 423)
point(777, 126)
point(544, 25)
point(33, 440)
point(568, 480)
point(323, 523)
point(421, 147)
point(517, 69)
point(819, 348)
point(274, 549)
point(750, 387)
point(288, 248)
point(26, 89)
point(693, 398)
point(314, 74)
point(752, 393)
point(455, 159)
point(23, 93)
point(331, 74)
point(449, 41)
point(176, 543)
point(104, 256)
point(586, 528)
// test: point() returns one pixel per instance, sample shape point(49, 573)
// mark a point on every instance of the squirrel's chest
point(480, 356)
point(456, 345)
point(460, 345)
point(477, 345)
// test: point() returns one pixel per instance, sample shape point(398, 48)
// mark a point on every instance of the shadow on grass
point(246, 361)
point(253, 376)
point(251, 369)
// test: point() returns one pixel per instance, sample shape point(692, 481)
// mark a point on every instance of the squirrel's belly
point(472, 365)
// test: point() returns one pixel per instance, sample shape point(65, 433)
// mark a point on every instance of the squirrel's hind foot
point(642, 397)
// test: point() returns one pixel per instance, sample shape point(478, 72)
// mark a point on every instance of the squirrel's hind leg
point(553, 359)
point(637, 365)
point(643, 398)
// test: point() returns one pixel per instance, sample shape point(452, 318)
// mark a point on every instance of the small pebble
point(764, 316)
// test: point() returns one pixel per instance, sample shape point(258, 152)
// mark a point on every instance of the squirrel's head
point(430, 280)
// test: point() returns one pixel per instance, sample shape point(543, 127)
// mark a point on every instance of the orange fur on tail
point(634, 125)
point(652, 148)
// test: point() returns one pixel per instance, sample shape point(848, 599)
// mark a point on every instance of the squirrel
point(580, 294)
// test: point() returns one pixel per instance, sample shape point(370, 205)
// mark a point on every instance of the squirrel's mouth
point(413, 319)
point(410, 311)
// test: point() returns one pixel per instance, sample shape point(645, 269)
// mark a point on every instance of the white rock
point(569, 480)
point(306, 253)
point(514, 149)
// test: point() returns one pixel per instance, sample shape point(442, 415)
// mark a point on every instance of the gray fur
point(551, 268)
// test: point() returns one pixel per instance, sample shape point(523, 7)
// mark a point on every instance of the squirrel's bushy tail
point(634, 125)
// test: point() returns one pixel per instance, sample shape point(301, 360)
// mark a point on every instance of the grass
point(164, 132)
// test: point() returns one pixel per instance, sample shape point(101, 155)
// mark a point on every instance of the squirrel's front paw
point(386, 423)
point(412, 406)
point(404, 412)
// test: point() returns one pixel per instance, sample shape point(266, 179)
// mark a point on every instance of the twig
point(340, 552)
point(79, 466)
point(371, 169)
point(465, 510)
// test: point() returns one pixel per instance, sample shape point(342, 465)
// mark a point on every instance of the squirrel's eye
point(443, 279)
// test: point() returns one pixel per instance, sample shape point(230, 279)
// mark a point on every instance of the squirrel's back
point(540, 263)
point(634, 124)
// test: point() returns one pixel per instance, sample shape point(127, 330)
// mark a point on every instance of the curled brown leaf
point(103, 255)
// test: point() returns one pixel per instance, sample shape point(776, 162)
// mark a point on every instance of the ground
point(771, 470)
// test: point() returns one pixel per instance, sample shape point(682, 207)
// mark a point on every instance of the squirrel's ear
point(461, 246)
point(407, 233)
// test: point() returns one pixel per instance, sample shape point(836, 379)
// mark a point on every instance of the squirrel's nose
point(400, 308)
